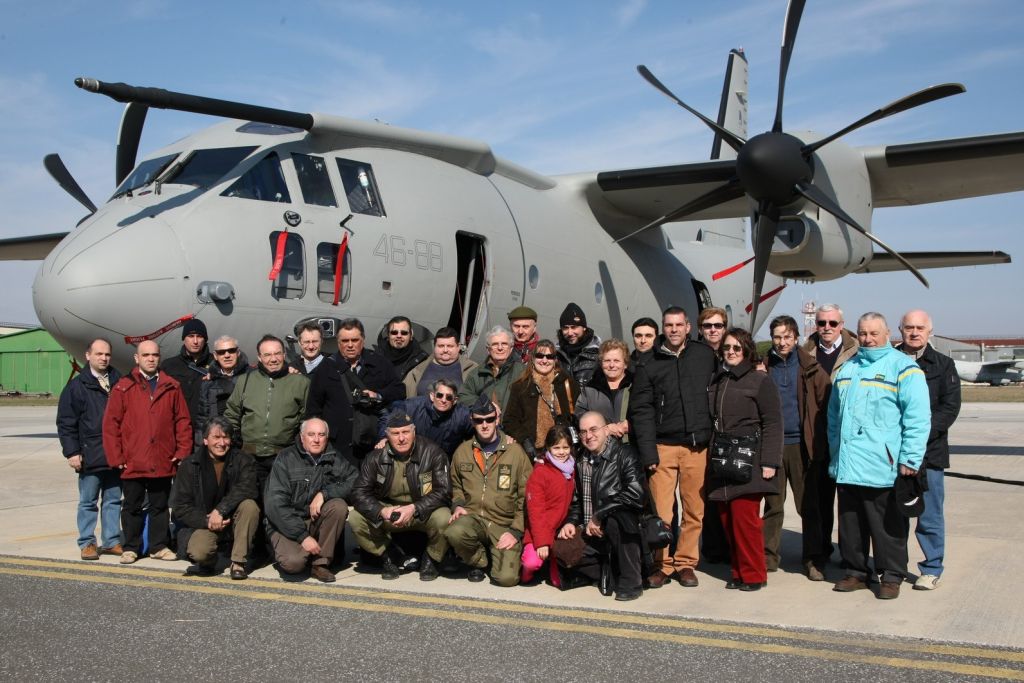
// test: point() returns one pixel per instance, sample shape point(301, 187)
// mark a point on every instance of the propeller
point(56, 168)
point(775, 169)
point(128, 136)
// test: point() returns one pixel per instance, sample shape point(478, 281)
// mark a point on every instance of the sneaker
point(129, 557)
point(115, 549)
point(428, 570)
point(165, 554)
point(321, 573)
point(926, 582)
point(90, 552)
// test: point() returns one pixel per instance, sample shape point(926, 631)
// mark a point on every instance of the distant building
point(980, 348)
point(32, 362)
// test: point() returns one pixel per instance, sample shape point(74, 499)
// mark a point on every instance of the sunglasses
point(399, 333)
point(830, 323)
point(485, 420)
point(545, 356)
point(440, 396)
point(712, 326)
point(224, 352)
point(736, 348)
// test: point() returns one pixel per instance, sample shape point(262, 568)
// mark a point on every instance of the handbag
point(732, 457)
point(655, 532)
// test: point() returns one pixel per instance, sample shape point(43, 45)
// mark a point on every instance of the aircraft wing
point(31, 248)
point(937, 171)
point(885, 263)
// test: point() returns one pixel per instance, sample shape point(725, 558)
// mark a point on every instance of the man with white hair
point(944, 394)
point(878, 424)
point(494, 377)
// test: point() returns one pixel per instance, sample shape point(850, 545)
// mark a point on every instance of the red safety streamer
point(282, 240)
point(339, 269)
point(163, 330)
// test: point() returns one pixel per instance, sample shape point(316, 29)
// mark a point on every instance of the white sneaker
point(926, 582)
point(128, 557)
point(164, 554)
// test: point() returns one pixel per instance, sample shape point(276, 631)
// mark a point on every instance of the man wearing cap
point(494, 377)
point(578, 347)
point(447, 362)
point(523, 321)
point(305, 502)
point(403, 487)
point(878, 424)
point(944, 394)
point(489, 474)
point(190, 366)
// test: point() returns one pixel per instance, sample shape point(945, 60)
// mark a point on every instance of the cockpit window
point(144, 174)
point(313, 181)
point(360, 187)
point(206, 166)
point(264, 182)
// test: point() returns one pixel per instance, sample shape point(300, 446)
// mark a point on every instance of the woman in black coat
point(541, 398)
point(745, 402)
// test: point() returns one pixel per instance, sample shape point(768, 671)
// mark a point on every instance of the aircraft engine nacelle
point(811, 243)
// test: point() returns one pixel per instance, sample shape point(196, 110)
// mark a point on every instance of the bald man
point(944, 394)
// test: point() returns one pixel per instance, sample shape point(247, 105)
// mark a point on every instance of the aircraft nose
point(112, 282)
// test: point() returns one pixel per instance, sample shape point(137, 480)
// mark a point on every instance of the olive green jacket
point(498, 495)
point(267, 412)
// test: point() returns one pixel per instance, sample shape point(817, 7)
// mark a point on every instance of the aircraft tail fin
point(732, 111)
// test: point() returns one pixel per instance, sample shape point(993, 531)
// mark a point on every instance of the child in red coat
point(548, 494)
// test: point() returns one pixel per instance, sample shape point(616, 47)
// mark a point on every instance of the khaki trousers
point(472, 538)
point(683, 468)
point(327, 529)
point(376, 539)
point(202, 545)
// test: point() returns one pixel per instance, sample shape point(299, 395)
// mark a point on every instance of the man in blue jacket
point(878, 424)
point(80, 429)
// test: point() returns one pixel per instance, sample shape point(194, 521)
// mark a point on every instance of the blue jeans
point(931, 525)
point(90, 486)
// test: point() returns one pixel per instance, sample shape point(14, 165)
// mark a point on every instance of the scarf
point(283, 372)
point(398, 356)
point(545, 406)
point(523, 351)
point(573, 350)
point(566, 468)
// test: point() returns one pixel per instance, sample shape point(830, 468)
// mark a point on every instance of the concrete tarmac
point(976, 603)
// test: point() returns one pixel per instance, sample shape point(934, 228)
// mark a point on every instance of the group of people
point(543, 461)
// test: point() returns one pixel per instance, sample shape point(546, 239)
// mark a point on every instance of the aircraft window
point(360, 187)
point(313, 181)
point(326, 262)
point(144, 174)
point(264, 182)
point(207, 166)
point(290, 282)
point(534, 277)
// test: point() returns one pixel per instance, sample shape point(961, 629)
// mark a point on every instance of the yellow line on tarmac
point(657, 636)
point(43, 537)
point(526, 608)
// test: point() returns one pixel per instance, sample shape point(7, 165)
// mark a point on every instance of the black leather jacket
point(426, 473)
point(616, 484)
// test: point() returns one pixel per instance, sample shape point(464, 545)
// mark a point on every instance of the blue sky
point(550, 86)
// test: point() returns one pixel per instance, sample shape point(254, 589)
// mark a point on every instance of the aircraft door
point(472, 279)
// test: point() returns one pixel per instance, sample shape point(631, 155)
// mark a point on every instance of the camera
point(365, 401)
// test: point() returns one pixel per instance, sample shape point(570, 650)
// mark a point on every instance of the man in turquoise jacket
point(879, 417)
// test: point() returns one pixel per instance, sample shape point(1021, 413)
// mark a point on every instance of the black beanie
point(572, 315)
point(194, 325)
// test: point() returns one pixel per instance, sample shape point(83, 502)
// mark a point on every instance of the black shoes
point(625, 596)
point(198, 570)
point(476, 575)
point(238, 572)
point(736, 584)
point(428, 570)
point(604, 584)
point(389, 570)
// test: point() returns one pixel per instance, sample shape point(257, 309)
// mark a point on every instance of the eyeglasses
point(712, 326)
point(441, 396)
point(545, 356)
point(485, 420)
point(224, 352)
point(399, 333)
point(735, 348)
point(830, 323)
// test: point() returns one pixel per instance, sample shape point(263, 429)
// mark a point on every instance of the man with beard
point(190, 366)
point(577, 345)
point(523, 321)
point(397, 343)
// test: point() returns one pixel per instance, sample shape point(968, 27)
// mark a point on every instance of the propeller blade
point(56, 168)
point(128, 136)
point(935, 92)
point(816, 196)
point(731, 138)
point(794, 11)
point(764, 238)
point(721, 194)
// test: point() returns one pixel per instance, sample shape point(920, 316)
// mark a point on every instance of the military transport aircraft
point(272, 218)
point(995, 372)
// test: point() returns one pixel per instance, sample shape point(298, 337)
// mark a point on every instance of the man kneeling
point(605, 509)
point(213, 501)
point(402, 487)
point(305, 501)
point(489, 474)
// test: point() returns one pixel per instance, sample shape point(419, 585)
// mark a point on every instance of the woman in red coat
point(548, 494)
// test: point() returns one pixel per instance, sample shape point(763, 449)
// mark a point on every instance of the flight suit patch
point(465, 467)
point(504, 477)
point(426, 484)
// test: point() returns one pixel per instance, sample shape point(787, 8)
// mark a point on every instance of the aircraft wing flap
point(924, 172)
point(886, 263)
point(31, 248)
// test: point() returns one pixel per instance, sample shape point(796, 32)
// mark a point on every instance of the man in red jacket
point(146, 433)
